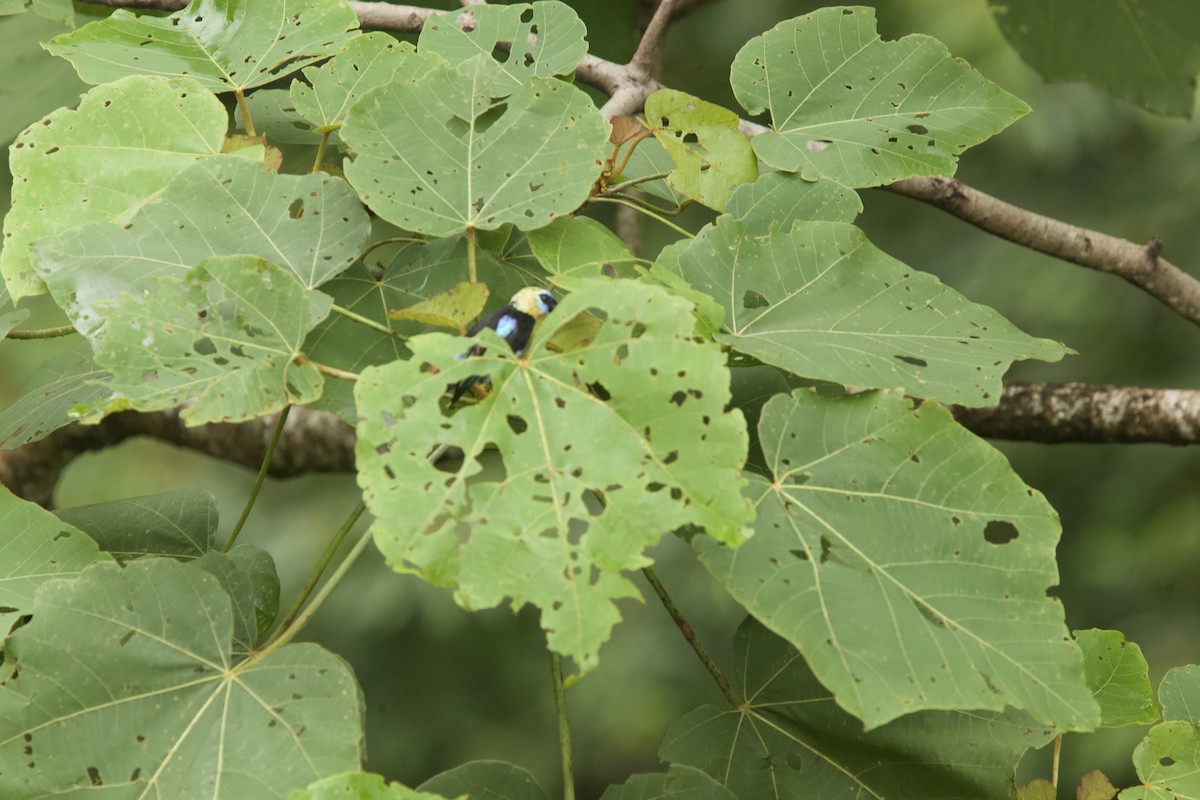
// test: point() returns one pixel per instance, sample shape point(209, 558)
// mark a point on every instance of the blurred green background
point(443, 686)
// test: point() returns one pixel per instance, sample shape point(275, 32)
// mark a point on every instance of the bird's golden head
point(534, 301)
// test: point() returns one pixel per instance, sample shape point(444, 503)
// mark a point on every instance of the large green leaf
point(1168, 762)
point(1146, 51)
point(45, 402)
point(247, 574)
point(1119, 677)
point(36, 547)
point(1179, 694)
point(312, 225)
point(544, 38)
point(847, 105)
point(485, 780)
point(434, 153)
point(821, 301)
point(180, 524)
point(781, 199)
point(222, 44)
point(223, 339)
point(604, 450)
point(128, 138)
point(906, 561)
point(790, 740)
point(127, 681)
point(574, 248)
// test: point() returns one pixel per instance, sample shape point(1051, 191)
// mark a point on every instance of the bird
point(513, 322)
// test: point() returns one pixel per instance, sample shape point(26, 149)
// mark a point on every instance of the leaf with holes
point(37, 547)
point(129, 138)
point(712, 157)
point(1179, 694)
point(180, 524)
point(604, 450)
point(222, 44)
point(436, 154)
point(517, 42)
point(126, 679)
point(847, 105)
point(906, 561)
point(790, 739)
point(822, 302)
point(1168, 762)
point(1119, 678)
point(46, 400)
point(222, 341)
point(781, 199)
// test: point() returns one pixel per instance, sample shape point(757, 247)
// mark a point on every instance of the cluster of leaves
point(895, 569)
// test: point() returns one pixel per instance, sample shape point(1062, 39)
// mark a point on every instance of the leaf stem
point(1055, 760)
point(654, 176)
point(262, 476)
point(285, 635)
point(471, 276)
point(241, 101)
point(621, 201)
point(320, 151)
point(330, 551)
point(690, 636)
point(325, 369)
point(393, 240)
point(360, 319)
point(43, 333)
point(564, 727)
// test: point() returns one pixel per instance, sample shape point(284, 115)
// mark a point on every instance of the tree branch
point(643, 57)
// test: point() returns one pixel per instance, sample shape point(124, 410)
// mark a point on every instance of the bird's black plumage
point(514, 322)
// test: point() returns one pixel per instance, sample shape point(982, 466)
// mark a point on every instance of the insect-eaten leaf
point(453, 309)
point(599, 451)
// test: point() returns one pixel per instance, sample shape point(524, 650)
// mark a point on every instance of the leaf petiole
point(258, 481)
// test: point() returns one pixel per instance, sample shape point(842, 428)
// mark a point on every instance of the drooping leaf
point(247, 574)
point(450, 309)
point(36, 547)
point(1147, 52)
point(223, 339)
point(1119, 677)
point(823, 302)
point(312, 225)
point(895, 549)
point(518, 42)
point(604, 450)
point(127, 681)
point(1179, 694)
point(781, 199)
point(503, 781)
point(222, 44)
point(180, 524)
point(1168, 763)
point(437, 155)
point(574, 248)
point(849, 106)
point(712, 157)
point(129, 138)
point(359, 786)
point(790, 739)
point(47, 398)
point(680, 783)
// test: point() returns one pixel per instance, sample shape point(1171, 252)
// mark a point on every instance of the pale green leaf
point(666, 272)
point(45, 401)
point(435, 154)
point(485, 780)
point(712, 157)
point(849, 106)
point(680, 783)
point(823, 302)
point(276, 117)
point(1119, 677)
point(12, 319)
point(1179, 694)
point(222, 44)
point(128, 680)
point(781, 199)
point(222, 341)
point(604, 450)
point(906, 561)
point(247, 574)
point(1168, 763)
point(359, 786)
point(454, 308)
point(650, 159)
point(129, 138)
point(36, 547)
point(180, 524)
point(1146, 51)
point(573, 248)
point(311, 225)
point(544, 38)
point(790, 739)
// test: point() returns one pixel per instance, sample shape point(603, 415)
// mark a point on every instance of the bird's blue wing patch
point(506, 326)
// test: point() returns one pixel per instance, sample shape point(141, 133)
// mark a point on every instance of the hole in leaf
point(999, 531)
point(752, 299)
point(929, 615)
point(94, 776)
point(655, 487)
point(517, 424)
point(125, 639)
point(296, 208)
point(920, 130)
point(800, 554)
point(678, 398)
point(1166, 761)
point(599, 391)
point(913, 360)
point(527, 16)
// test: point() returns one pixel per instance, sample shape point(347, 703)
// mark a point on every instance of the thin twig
point(258, 481)
point(564, 727)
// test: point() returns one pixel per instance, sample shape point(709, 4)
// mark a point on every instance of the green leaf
point(359, 786)
point(604, 450)
point(37, 547)
point(222, 44)
point(1095, 785)
point(1147, 52)
point(791, 740)
point(45, 84)
point(781, 199)
point(180, 524)
point(710, 315)
point(311, 225)
point(1179, 694)
point(276, 117)
point(540, 39)
point(435, 154)
point(849, 106)
point(127, 680)
point(485, 780)
point(712, 157)
point(223, 340)
point(365, 63)
point(682, 783)
point(247, 574)
point(450, 309)
point(1037, 789)
point(574, 248)
point(1119, 677)
point(129, 138)
point(45, 402)
point(1168, 762)
point(895, 549)
point(823, 302)
point(10, 320)
point(650, 158)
